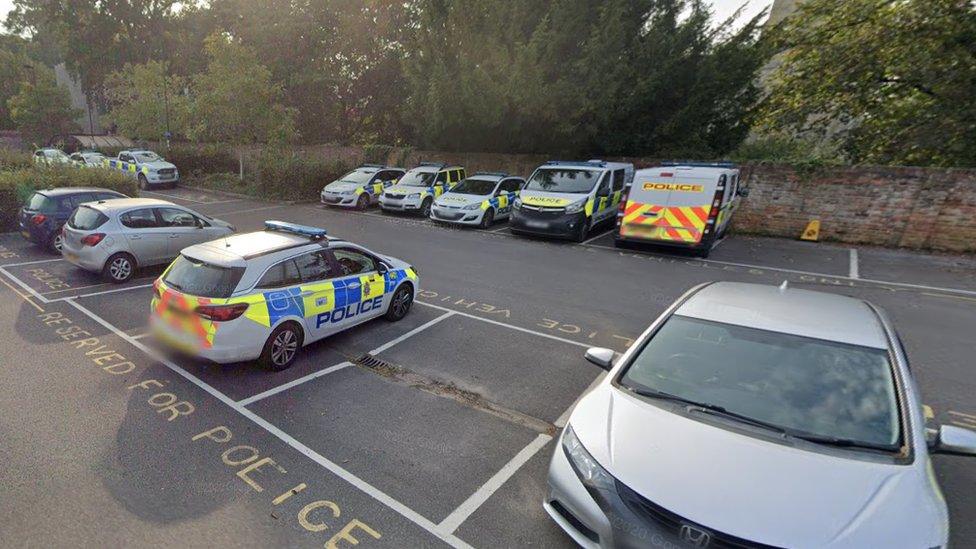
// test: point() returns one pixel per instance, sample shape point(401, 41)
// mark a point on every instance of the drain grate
point(377, 364)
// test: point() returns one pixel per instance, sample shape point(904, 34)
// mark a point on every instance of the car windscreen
point(806, 386)
point(475, 186)
point(563, 180)
point(86, 219)
point(357, 176)
point(192, 276)
point(417, 179)
point(41, 203)
point(147, 157)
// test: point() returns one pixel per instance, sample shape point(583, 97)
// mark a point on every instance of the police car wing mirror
point(381, 267)
point(600, 356)
point(743, 192)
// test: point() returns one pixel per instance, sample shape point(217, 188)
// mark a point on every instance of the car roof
point(123, 203)
point(239, 248)
point(62, 191)
point(793, 311)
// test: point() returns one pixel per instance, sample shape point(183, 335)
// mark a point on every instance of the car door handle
point(306, 293)
point(174, 236)
point(135, 237)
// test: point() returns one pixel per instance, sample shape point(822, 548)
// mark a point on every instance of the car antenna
point(784, 286)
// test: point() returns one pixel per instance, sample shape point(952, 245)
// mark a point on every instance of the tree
point(12, 75)
point(42, 109)
point(146, 101)
point(890, 81)
point(235, 101)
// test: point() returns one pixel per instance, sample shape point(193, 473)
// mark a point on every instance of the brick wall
point(923, 208)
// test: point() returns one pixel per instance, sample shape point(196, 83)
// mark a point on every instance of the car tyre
point(582, 232)
point(119, 268)
point(362, 203)
point(143, 182)
point(400, 304)
point(282, 346)
point(487, 219)
point(425, 207)
point(55, 242)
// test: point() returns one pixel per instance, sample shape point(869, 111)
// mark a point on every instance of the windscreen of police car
point(147, 156)
point(356, 176)
point(809, 387)
point(563, 180)
point(475, 186)
point(417, 179)
point(192, 276)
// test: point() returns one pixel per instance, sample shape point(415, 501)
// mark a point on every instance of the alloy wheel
point(120, 269)
point(283, 347)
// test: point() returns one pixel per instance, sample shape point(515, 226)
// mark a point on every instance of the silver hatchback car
point(754, 416)
point(115, 237)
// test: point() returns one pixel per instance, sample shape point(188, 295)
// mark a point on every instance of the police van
point(682, 204)
point(264, 295)
point(568, 199)
point(479, 200)
point(361, 187)
point(418, 188)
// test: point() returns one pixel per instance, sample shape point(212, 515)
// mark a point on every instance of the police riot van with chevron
point(479, 200)
point(680, 204)
point(149, 169)
point(264, 295)
point(418, 188)
point(568, 199)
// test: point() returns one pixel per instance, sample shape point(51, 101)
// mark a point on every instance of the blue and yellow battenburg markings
point(129, 167)
point(500, 202)
point(374, 189)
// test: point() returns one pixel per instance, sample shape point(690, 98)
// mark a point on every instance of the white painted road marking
point(470, 505)
point(218, 215)
point(601, 235)
point(34, 262)
point(285, 386)
point(855, 269)
point(512, 326)
point(359, 483)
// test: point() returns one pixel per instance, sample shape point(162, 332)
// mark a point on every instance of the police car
point(478, 200)
point(361, 187)
point(146, 166)
point(568, 199)
point(264, 295)
point(417, 189)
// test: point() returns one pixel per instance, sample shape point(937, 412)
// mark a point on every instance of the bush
point(289, 176)
point(18, 184)
point(196, 160)
point(11, 159)
point(377, 154)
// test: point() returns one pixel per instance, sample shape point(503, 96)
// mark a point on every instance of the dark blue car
point(46, 211)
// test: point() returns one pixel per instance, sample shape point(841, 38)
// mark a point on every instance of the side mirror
point(381, 267)
point(954, 441)
point(743, 191)
point(600, 356)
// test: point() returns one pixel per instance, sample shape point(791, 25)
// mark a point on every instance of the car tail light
point(92, 239)
point(713, 212)
point(156, 291)
point(37, 219)
point(221, 313)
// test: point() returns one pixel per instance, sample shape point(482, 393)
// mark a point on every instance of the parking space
point(438, 429)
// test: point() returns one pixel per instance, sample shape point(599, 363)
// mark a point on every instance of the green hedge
point(196, 160)
point(276, 174)
point(18, 184)
point(12, 159)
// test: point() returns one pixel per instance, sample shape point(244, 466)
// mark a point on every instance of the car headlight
point(414, 195)
point(474, 206)
point(518, 203)
point(575, 207)
point(590, 473)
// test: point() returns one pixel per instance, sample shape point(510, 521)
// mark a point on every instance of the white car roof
point(239, 249)
point(804, 313)
point(123, 203)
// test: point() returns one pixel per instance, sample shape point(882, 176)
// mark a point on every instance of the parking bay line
point(25, 297)
point(285, 386)
point(362, 485)
point(855, 268)
point(23, 263)
point(216, 215)
point(112, 291)
point(601, 235)
point(793, 271)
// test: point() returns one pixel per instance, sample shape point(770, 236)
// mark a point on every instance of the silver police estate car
point(754, 416)
point(115, 237)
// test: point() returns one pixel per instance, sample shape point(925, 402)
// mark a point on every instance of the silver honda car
point(115, 237)
point(754, 416)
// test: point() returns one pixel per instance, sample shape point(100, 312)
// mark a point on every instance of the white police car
point(478, 200)
point(263, 295)
point(418, 188)
point(147, 167)
point(361, 187)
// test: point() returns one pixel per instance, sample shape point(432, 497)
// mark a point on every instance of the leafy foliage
point(16, 185)
point(891, 81)
point(146, 100)
point(42, 109)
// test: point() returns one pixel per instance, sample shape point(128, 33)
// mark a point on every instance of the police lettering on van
point(569, 199)
point(687, 205)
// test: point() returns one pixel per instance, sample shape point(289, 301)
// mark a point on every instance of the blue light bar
point(590, 163)
point(313, 233)
point(678, 164)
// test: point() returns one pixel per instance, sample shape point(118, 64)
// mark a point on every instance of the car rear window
point(86, 218)
point(809, 386)
point(192, 276)
point(42, 203)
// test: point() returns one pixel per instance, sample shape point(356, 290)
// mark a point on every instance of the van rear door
point(669, 204)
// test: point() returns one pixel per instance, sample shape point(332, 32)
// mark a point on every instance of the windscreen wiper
point(705, 407)
point(843, 442)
